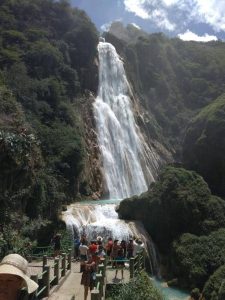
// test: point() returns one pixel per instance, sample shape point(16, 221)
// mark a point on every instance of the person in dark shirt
point(88, 276)
point(56, 241)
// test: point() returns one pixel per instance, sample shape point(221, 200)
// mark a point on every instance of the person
point(99, 240)
point(123, 245)
point(83, 249)
point(56, 241)
point(109, 246)
point(114, 252)
point(76, 248)
point(13, 277)
point(138, 246)
point(120, 260)
point(101, 251)
point(93, 248)
point(130, 249)
point(88, 276)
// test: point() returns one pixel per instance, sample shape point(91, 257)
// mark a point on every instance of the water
point(129, 164)
point(170, 293)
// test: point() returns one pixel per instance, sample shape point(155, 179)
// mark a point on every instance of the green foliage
point(196, 258)
point(47, 49)
point(167, 208)
point(214, 287)
point(19, 234)
point(140, 288)
point(204, 145)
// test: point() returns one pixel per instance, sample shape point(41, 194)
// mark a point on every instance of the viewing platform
point(59, 278)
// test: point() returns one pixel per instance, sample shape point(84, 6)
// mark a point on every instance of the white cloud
point(106, 26)
point(136, 26)
point(137, 7)
point(191, 36)
point(149, 9)
point(180, 12)
point(212, 12)
point(160, 18)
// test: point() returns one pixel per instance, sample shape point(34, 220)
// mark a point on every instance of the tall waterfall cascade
point(128, 162)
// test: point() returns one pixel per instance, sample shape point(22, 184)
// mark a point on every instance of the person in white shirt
point(83, 249)
point(138, 246)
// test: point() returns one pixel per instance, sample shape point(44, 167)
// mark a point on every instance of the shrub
point(140, 288)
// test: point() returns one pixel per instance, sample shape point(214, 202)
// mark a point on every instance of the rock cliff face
point(92, 178)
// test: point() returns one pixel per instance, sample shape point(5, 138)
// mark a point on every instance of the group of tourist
point(13, 268)
point(90, 253)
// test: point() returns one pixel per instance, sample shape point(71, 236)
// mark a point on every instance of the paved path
point(72, 287)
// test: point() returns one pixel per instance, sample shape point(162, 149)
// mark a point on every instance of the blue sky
point(200, 20)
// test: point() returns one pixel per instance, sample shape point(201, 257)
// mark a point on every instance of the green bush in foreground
point(215, 286)
point(140, 288)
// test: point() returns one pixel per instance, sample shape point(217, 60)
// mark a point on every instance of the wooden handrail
point(98, 292)
point(43, 279)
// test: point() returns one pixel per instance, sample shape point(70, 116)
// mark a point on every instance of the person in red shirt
point(109, 246)
point(93, 248)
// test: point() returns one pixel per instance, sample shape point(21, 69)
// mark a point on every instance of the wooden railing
point(99, 290)
point(45, 282)
point(44, 279)
point(136, 264)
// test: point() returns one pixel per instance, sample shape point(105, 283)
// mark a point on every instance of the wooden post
point(99, 278)
point(143, 253)
point(63, 264)
point(46, 280)
point(132, 267)
point(45, 261)
point(35, 278)
point(139, 262)
point(69, 259)
point(56, 270)
point(101, 269)
point(103, 262)
point(95, 295)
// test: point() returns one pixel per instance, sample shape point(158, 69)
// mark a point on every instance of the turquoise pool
point(170, 293)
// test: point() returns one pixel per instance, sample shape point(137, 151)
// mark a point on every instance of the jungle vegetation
point(48, 70)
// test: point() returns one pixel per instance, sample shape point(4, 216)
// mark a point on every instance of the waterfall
point(102, 220)
point(129, 164)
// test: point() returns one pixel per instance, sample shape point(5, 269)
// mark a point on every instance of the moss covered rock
point(204, 145)
point(180, 201)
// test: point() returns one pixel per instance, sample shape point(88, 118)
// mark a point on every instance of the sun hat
point(17, 265)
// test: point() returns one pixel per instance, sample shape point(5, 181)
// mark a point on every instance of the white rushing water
point(129, 164)
point(102, 220)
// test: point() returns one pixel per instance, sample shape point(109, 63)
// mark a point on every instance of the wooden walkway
point(72, 287)
point(61, 277)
